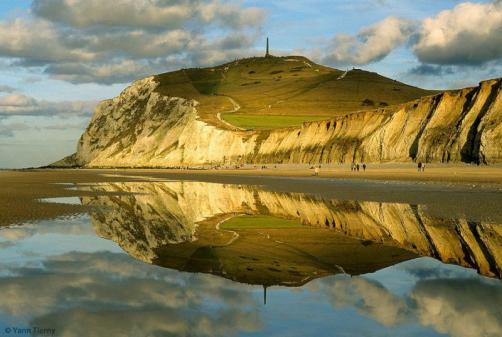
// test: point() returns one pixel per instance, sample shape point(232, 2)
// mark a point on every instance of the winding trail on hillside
point(342, 76)
point(236, 107)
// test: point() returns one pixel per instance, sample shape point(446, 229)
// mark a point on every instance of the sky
point(58, 58)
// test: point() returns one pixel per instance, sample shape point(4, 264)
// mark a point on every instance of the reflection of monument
point(177, 225)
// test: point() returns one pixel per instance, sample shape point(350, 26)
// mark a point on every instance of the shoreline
point(474, 192)
point(462, 174)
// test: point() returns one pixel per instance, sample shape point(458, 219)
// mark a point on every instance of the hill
point(273, 92)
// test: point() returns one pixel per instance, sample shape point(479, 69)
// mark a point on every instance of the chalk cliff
point(143, 128)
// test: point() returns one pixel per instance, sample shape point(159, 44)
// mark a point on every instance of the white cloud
point(146, 13)
point(38, 41)
point(115, 42)
point(371, 44)
point(469, 34)
point(22, 105)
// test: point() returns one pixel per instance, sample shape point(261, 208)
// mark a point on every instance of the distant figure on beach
point(352, 166)
point(364, 167)
point(357, 167)
point(316, 170)
point(419, 166)
point(423, 167)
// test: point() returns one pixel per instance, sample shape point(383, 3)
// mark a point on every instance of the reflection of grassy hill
point(283, 91)
point(259, 221)
point(266, 250)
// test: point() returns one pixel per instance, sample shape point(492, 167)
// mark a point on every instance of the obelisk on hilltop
point(267, 54)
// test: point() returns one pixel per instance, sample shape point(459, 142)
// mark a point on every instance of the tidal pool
point(181, 258)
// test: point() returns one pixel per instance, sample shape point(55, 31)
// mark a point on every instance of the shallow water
point(156, 259)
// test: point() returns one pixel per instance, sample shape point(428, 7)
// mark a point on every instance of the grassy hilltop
point(271, 92)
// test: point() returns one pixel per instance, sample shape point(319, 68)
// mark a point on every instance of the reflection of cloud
point(111, 294)
point(369, 298)
point(461, 308)
point(457, 307)
point(67, 225)
point(16, 233)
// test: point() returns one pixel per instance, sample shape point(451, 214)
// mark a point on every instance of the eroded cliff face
point(141, 128)
point(160, 213)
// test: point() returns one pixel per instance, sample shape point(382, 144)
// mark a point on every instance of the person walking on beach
point(364, 167)
point(423, 167)
point(357, 167)
point(316, 171)
point(419, 166)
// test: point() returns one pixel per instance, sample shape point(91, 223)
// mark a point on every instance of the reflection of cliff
point(169, 212)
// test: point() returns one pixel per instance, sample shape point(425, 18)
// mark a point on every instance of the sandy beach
point(475, 191)
point(460, 174)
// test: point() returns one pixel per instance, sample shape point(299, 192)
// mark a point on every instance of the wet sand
point(476, 192)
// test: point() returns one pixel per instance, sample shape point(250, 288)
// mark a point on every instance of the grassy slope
point(283, 91)
point(259, 221)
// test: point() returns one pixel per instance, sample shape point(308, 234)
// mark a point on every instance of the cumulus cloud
point(83, 41)
point(146, 13)
point(371, 44)
point(22, 105)
point(469, 34)
point(38, 41)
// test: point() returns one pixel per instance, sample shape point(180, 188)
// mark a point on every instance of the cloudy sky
point(59, 57)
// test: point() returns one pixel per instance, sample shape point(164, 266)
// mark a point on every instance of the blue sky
point(59, 57)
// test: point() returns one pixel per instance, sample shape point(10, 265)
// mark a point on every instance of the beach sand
point(474, 191)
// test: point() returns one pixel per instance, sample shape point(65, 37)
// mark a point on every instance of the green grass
point(268, 121)
point(276, 92)
point(259, 221)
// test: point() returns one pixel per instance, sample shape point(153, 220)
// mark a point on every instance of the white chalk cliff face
point(142, 128)
point(163, 213)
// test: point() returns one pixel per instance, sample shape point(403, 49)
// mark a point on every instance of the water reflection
point(108, 294)
point(176, 224)
point(355, 263)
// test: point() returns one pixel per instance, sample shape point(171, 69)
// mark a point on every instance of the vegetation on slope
point(276, 92)
point(259, 221)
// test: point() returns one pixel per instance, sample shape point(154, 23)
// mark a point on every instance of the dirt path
point(236, 107)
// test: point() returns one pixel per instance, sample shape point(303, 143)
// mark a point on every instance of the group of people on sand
point(421, 166)
point(355, 167)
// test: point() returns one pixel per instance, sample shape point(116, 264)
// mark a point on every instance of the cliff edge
point(143, 127)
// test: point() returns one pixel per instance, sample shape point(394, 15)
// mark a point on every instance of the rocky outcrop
point(142, 128)
point(162, 213)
